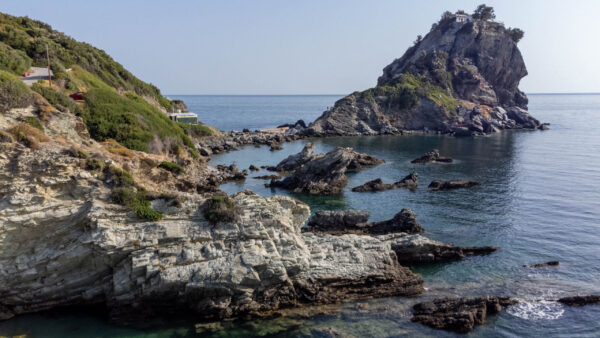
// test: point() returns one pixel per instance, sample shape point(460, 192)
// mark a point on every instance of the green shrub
point(57, 99)
point(13, 92)
point(34, 122)
point(94, 164)
point(219, 209)
point(120, 177)
point(172, 167)
point(14, 61)
point(515, 34)
point(128, 119)
point(137, 201)
point(75, 152)
point(196, 130)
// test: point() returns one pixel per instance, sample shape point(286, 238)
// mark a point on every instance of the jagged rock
point(321, 175)
point(252, 167)
point(267, 177)
point(295, 161)
point(452, 184)
point(355, 221)
point(432, 156)
point(466, 76)
point(580, 300)
point(415, 250)
point(362, 161)
point(276, 146)
point(542, 265)
point(411, 181)
point(459, 315)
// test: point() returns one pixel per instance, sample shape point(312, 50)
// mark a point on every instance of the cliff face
point(463, 77)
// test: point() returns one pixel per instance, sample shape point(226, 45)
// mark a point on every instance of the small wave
point(537, 310)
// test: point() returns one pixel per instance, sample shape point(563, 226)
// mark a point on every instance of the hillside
point(461, 78)
point(117, 105)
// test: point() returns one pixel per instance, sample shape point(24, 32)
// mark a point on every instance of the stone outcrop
point(431, 157)
point(295, 161)
point(323, 173)
point(461, 78)
point(416, 250)
point(356, 221)
point(410, 182)
point(224, 142)
point(580, 300)
point(452, 184)
point(459, 315)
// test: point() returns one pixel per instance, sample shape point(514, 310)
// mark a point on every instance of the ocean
point(539, 201)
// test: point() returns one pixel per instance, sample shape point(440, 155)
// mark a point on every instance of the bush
point(172, 167)
point(115, 148)
point(219, 209)
point(14, 61)
point(196, 130)
point(137, 201)
point(120, 177)
point(57, 99)
point(128, 119)
point(31, 136)
point(484, 13)
point(515, 34)
point(34, 122)
point(94, 164)
point(13, 92)
point(75, 152)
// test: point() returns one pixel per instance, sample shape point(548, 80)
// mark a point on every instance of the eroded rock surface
point(580, 300)
point(416, 250)
point(295, 161)
point(356, 221)
point(461, 78)
point(459, 315)
point(431, 157)
point(410, 182)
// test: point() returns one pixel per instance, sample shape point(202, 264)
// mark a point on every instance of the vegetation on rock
point(27, 134)
point(13, 93)
point(172, 167)
point(219, 208)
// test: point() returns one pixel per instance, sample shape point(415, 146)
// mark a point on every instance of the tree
point(484, 13)
point(516, 34)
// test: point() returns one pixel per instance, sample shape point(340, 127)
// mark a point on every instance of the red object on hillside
point(76, 96)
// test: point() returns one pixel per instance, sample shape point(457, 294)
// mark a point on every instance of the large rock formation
point(461, 78)
point(322, 173)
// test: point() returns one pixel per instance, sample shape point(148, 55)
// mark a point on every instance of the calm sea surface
point(539, 201)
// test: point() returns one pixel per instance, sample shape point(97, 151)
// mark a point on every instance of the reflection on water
point(539, 200)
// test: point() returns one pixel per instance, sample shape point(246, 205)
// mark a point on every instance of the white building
point(463, 18)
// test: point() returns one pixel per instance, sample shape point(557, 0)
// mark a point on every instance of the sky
point(309, 47)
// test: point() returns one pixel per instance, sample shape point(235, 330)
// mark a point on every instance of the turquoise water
point(539, 201)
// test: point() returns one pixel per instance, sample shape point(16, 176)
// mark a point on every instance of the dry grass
point(6, 137)
point(115, 148)
point(31, 136)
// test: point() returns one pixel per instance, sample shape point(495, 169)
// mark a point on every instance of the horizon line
point(537, 93)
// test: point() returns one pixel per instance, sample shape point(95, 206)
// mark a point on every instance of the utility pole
point(48, 57)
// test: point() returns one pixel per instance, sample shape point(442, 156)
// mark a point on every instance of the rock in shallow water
point(459, 315)
point(355, 221)
point(410, 182)
point(452, 184)
point(580, 300)
point(431, 157)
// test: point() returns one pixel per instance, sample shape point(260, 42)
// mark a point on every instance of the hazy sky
point(309, 47)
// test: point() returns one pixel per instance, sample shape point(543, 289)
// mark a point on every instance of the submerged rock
point(542, 265)
point(267, 177)
point(411, 181)
point(580, 300)
point(459, 315)
point(356, 221)
point(431, 157)
point(452, 184)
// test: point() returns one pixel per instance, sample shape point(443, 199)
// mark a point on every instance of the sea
point(539, 201)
